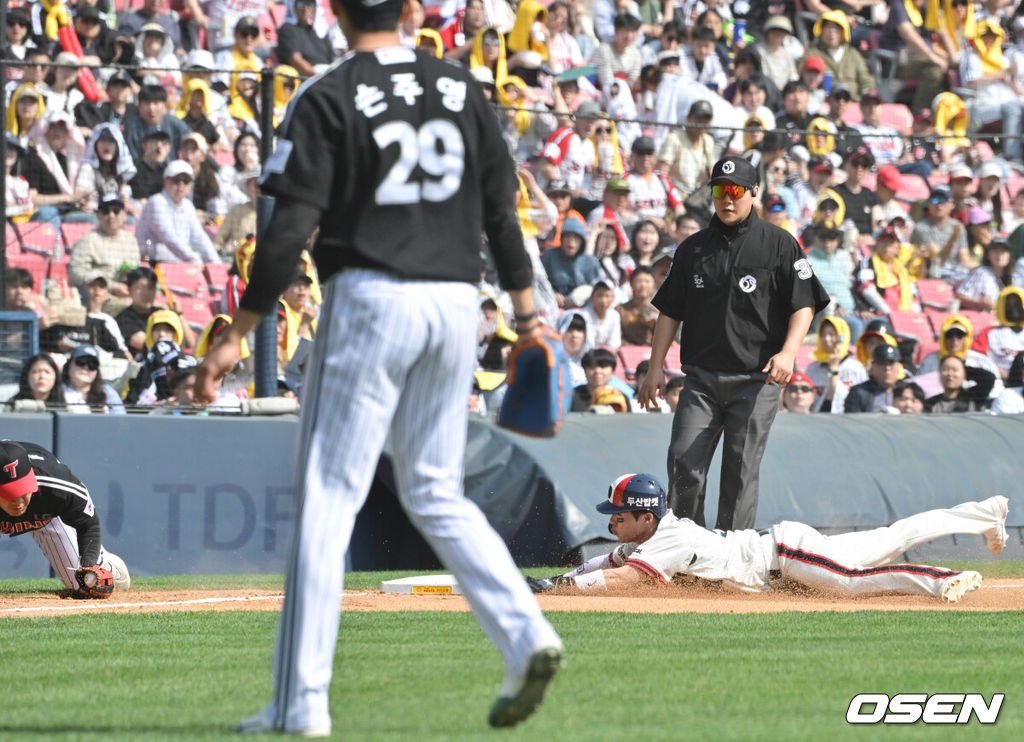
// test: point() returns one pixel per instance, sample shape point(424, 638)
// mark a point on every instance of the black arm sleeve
point(277, 253)
point(983, 383)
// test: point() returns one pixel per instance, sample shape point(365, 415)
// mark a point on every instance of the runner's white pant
point(59, 544)
point(858, 562)
point(389, 355)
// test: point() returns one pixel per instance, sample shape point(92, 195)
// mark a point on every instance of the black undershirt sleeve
point(277, 255)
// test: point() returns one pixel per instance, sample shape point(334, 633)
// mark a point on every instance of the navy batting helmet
point(634, 492)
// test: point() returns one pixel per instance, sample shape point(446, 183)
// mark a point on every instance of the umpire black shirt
point(735, 289)
point(61, 495)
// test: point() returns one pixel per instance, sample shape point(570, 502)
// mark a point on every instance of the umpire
point(745, 295)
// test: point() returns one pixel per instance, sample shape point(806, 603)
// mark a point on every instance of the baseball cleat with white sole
point(263, 723)
point(959, 585)
point(508, 711)
point(998, 537)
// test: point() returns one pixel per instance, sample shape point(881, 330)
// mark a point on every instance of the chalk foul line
point(81, 605)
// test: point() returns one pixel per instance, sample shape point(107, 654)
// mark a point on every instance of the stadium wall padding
point(213, 495)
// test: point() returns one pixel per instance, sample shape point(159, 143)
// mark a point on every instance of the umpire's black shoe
point(509, 711)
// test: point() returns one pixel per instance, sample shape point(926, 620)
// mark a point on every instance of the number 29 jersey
point(402, 154)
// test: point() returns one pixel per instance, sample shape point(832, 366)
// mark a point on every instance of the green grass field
point(432, 676)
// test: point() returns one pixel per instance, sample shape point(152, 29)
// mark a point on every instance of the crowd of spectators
point(886, 136)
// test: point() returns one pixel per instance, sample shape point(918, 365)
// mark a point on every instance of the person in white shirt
point(168, 229)
point(701, 63)
point(605, 324)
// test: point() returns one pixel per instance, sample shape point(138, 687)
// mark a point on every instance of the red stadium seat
point(852, 115)
point(58, 270)
point(897, 116)
point(912, 188)
point(34, 263)
point(630, 357)
point(222, 158)
point(938, 178)
point(1014, 184)
point(980, 321)
point(805, 356)
point(185, 279)
point(935, 292)
point(913, 323)
point(38, 237)
point(195, 311)
point(672, 362)
point(72, 233)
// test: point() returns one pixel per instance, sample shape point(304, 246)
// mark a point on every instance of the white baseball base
point(423, 585)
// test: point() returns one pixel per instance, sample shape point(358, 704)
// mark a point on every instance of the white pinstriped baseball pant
point(859, 562)
point(59, 544)
point(390, 355)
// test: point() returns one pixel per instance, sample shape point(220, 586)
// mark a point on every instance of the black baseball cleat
point(508, 711)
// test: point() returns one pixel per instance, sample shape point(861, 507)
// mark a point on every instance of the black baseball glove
point(94, 582)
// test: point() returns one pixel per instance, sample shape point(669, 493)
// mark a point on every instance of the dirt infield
point(994, 595)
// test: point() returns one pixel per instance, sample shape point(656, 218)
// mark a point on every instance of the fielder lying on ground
point(655, 544)
point(40, 495)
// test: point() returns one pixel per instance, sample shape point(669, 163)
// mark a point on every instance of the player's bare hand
point(652, 388)
point(779, 368)
point(221, 359)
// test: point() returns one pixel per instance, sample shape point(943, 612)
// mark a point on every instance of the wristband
point(590, 581)
point(525, 317)
point(833, 373)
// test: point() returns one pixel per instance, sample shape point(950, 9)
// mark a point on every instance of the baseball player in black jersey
point(398, 159)
point(40, 495)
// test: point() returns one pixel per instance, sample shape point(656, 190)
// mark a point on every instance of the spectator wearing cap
point(300, 310)
point(106, 249)
point(834, 268)
point(151, 12)
point(862, 204)
point(847, 137)
point(300, 46)
point(773, 209)
point(812, 74)
point(94, 327)
point(687, 153)
point(984, 70)
point(927, 52)
point(242, 54)
point(776, 61)
point(955, 338)
point(876, 394)
point(570, 266)
point(559, 194)
point(153, 115)
point(979, 235)
point(834, 370)
point(608, 160)
point(154, 50)
point(832, 44)
point(744, 295)
point(887, 185)
point(169, 229)
point(700, 63)
point(106, 167)
point(84, 388)
point(798, 394)
point(17, 39)
point(981, 289)
point(884, 141)
point(94, 35)
point(26, 106)
point(117, 109)
point(883, 282)
point(206, 196)
point(149, 176)
point(961, 179)
point(196, 109)
point(619, 56)
point(615, 210)
point(569, 153)
point(989, 193)
point(651, 193)
point(224, 19)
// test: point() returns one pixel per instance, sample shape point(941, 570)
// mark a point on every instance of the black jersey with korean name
point(60, 495)
point(734, 289)
point(403, 155)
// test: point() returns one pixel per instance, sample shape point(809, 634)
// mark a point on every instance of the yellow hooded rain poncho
point(955, 320)
point(1001, 306)
point(821, 127)
point(842, 329)
point(476, 56)
point(22, 90)
point(521, 38)
point(429, 33)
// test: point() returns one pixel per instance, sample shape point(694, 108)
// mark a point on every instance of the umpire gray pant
point(712, 402)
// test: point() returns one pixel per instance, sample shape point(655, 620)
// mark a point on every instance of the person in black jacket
point(40, 495)
point(876, 394)
point(955, 397)
point(744, 295)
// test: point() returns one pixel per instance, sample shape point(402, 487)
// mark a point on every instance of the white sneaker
point(998, 537)
point(117, 567)
point(959, 585)
point(263, 723)
point(516, 704)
